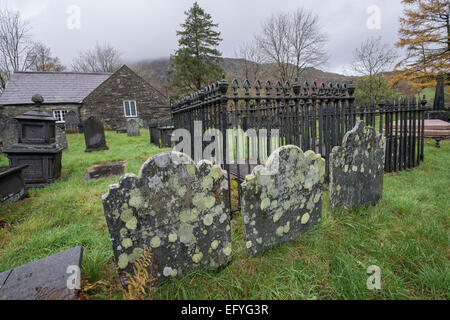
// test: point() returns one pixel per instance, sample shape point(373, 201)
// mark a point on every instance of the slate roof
point(55, 87)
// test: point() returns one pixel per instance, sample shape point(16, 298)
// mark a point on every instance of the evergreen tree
point(196, 62)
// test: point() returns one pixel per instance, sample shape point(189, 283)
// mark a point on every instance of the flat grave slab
point(105, 170)
point(44, 279)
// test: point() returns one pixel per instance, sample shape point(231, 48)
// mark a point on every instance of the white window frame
point(129, 104)
point(60, 114)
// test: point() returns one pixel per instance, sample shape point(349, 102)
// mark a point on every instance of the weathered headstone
point(356, 168)
point(133, 128)
point(94, 135)
point(9, 132)
point(282, 199)
point(105, 170)
point(439, 111)
point(166, 135)
point(154, 133)
point(177, 209)
point(72, 122)
point(51, 278)
point(61, 139)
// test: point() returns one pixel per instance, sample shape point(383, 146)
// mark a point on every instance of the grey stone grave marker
point(9, 132)
point(94, 135)
point(133, 128)
point(61, 139)
point(356, 168)
point(44, 279)
point(282, 199)
point(174, 207)
point(72, 123)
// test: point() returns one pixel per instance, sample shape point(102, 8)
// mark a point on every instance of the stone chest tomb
point(36, 147)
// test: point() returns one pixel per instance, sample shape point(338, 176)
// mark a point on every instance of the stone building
point(112, 97)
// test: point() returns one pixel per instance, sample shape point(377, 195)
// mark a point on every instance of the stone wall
point(283, 199)
point(174, 207)
point(357, 167)
point(13, 111)
point(106, 102)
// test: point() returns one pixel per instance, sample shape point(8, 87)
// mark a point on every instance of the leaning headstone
point(72, 122)
point(282, 199)
point(94, 135)
point(175, 208)
point(9, 132)
point(356, 168)
point(53, 278)
point(61, 139)
point(133, 128)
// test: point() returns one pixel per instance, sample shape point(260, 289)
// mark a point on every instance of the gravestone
point(154, 133)
point(356, 168)
point(133, 128)
point(9, 132)
point(282, 199)
point(439, 111)
point(174, 207)
point(61, 139)
point(165, 134)
point(72, 122)
point(44, 279)
point(94, 135)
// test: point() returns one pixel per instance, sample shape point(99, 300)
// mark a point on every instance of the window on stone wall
point(60, 115)
point(130, 108)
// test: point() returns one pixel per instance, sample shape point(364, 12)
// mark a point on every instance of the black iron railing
point(257, 119)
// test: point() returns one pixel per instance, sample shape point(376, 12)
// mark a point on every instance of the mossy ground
point(406, 234)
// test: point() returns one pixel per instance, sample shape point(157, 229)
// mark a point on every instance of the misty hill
point(155, 71)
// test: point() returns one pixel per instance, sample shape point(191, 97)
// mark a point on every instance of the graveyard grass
point(405, 234)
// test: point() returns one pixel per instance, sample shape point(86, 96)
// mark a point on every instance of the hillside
point(155, 71)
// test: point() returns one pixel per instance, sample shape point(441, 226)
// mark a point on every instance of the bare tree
point(293, 42)
point(103, 58)
point(43, 60)
point(371, 60)
point(252, 60)
point(16, 46)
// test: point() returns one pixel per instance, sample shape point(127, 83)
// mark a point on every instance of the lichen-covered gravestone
point(174, 207)
point(9, 132)
point(61, 139)
point(133, 128)
point(94, 135)
point(282, 199)
point(356, 168)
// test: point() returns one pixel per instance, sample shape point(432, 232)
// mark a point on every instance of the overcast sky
point(146, 29)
